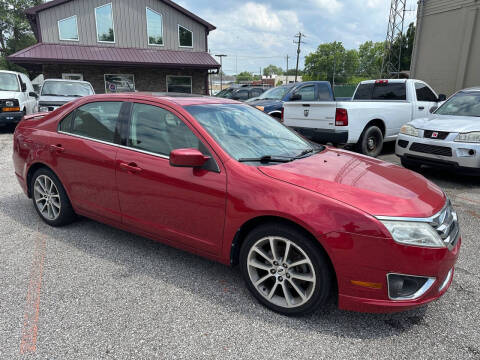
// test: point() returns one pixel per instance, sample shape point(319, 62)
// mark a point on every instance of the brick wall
point(146, 79)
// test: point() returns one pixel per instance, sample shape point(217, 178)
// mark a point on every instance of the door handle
point(421, 108)
point(130, 167)
point(57, 148)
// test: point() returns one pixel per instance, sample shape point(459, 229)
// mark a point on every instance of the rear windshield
point(391, 91)
point(67, 89)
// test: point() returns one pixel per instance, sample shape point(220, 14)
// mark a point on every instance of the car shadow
point(211, 281)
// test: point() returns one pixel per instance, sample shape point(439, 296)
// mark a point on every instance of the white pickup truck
point(379, 108)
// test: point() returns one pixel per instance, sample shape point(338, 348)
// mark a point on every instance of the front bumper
point(7, 118)
point(444, 153)
point(323, 136)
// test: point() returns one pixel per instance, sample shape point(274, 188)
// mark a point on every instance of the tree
point(244, 76)
point(15, 31)
point(405, 42)
point(291, 72)
point(272, 70)
point(370, 57)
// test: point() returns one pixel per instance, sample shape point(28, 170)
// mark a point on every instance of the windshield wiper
point(266, 159)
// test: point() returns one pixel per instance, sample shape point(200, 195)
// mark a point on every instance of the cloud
point(332, 6)
point(374, 3)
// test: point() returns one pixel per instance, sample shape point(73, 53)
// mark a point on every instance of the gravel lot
point(107, 294)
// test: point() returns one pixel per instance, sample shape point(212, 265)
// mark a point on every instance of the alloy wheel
point(281, 272)
point(47, 197)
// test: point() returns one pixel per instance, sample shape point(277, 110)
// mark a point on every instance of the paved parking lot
point(89, 291)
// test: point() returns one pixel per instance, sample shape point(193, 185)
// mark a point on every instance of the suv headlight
point(414, 233)
point(409, 130)
point(471, 137)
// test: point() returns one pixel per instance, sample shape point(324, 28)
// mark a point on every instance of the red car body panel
point(334, 195)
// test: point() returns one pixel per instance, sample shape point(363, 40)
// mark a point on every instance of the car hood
point(60, 100)
point(6, 95)
point(448, 123)
point(266, 103)
point(374, 186)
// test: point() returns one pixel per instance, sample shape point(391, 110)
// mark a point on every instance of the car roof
point(10, 72)
point(176, 98)
point(389, 80)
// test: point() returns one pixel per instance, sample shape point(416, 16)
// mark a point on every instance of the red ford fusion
point(223, 180)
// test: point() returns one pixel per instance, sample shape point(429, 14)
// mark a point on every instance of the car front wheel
point(285, 270)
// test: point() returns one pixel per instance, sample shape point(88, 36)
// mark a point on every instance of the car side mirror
point(433, 108)
point(296, 97)
point(191, 158)
point(33, 94)
point(442, 97)
point(24, 87)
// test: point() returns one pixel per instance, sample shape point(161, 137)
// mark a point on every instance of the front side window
point(276, 93)
point(307, 93)
point(185, 37)
point(179, 84)
point(9, 82)
point(424, 93)
point(68, 29)
point(462, 104)
point(154, 27)
point(96, 120)
point(241, 95)
point(158, 131)
point(244, 132)
point(104, 21)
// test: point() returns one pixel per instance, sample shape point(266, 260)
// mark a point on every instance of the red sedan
point(225, 181)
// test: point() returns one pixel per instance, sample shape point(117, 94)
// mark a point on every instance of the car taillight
point(282, 116)
point(341, 117)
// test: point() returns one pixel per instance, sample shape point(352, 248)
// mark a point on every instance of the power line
point(299, 42)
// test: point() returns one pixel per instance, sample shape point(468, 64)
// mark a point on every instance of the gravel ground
point(107, 294)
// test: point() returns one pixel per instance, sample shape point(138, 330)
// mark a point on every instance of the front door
point(182, 205)
point(426, 99)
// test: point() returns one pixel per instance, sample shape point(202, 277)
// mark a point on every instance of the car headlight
point(471, 137)
point(409, 130)
point(414, 233)
point(9, 104)
point(43, 109)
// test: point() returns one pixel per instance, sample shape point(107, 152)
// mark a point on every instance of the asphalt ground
point(89, 291)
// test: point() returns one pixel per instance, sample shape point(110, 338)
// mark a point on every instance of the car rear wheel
point(284, 270)
point(50, 199)
point(371, 142)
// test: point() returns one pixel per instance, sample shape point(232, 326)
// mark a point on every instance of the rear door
point(426, 99)
point(315, 109)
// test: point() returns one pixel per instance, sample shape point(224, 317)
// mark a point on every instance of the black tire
point(66, 215)
point(371, 141)
point(411, 165)
point(316, 293)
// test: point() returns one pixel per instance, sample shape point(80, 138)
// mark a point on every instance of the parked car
point(241, 93)
point(271, 101)
point(375, 115)
point(17, 97)
point(449, 138)
point(57, 92)
point(221, 179)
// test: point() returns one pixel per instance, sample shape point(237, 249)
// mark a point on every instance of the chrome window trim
point(446, 281)
point(420, 292)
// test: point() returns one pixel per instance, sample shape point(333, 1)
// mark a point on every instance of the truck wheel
point(371, 142)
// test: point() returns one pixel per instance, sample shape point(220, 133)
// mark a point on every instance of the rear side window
point(307, 93)
point(424, 93)
point(391, 91)
point(242, 95)
point(324, 93)
point(364, 92)
point(96, 120)
point(256, 92)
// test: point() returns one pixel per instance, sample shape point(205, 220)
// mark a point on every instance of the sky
point(255, 34)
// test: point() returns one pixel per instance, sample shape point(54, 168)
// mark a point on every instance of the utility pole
point(286, 77)
point(392, 61)
point(221, 56)
point(298, 42)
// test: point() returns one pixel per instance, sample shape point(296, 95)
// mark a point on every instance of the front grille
point(431, 149)
point(446, 225)
point(440, 135)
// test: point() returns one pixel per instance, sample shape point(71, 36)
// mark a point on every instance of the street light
point(221, 56)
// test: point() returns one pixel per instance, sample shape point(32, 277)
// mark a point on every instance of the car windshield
point(66, 89)
point(246, 133)
point(275, 94)
point(8, 82)
point(462, 104)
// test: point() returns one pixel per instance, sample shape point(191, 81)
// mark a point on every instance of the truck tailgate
point(315, 115)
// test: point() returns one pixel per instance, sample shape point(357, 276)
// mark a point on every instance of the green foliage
point(15, 31)
point(244, 76)
point(272, 70)
point(291, 72)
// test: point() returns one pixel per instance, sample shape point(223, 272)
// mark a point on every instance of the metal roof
point(105, 55)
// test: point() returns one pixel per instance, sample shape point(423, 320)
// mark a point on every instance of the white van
point(17, 97)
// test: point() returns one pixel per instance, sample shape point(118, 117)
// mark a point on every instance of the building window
point(104, 21)
point(154, 27)
point(68, 29)
point(72, 77)
point(185, 37)
point(179, 84)
point(116, 83)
